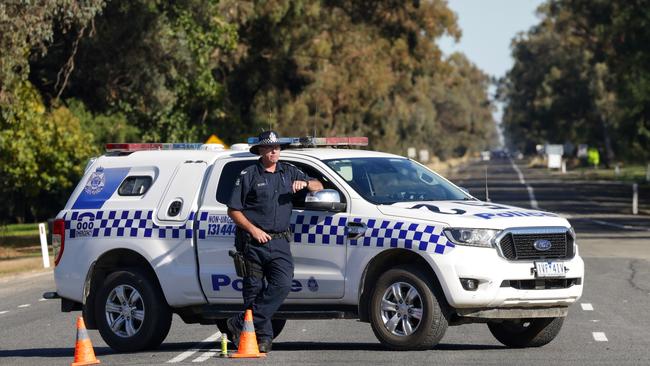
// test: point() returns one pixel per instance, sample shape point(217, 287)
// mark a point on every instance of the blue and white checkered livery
point(122, 224)
point(325, 229)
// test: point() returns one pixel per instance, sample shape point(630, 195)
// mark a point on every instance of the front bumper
point(503, 283)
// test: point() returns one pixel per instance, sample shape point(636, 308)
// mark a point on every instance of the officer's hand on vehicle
point(260, 235)
point(299, 184)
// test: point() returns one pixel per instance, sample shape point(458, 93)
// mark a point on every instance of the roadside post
point(46, 257)
point(411, 153)
point(563, 166)
point(635, 199)
point(554, 156)
point(647, 174)
point(617, 169)
point(424, 156)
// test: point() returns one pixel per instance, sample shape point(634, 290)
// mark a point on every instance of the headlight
point(472, 237)
point(573, 233)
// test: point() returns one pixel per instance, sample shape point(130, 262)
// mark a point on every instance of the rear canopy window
point(135, 186)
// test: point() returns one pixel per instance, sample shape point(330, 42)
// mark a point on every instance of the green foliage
point(174, 71)
point(582, 75)
point(103, 128)
point(29, 25)
point(355, 67)
point(41, 150)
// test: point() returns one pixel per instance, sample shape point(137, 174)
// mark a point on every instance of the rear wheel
point(522, 333)
point(405, 310)
point(131, 311)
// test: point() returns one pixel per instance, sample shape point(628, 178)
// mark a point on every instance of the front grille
point(518, 246)
point(542, 284)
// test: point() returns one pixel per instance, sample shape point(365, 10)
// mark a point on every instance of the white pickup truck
point(145, 234)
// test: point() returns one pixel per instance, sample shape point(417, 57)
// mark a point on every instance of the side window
point(299, 198)
point(135, 186)
point(227, 179)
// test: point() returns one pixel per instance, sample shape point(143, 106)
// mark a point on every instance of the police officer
point(261, 207)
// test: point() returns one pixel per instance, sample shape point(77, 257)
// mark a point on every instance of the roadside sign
point(213, 139)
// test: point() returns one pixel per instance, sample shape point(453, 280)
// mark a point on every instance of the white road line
point(619, 226)
point(205, 356)
point(587, 307)
point(599, 336)
point(190, 352)
point(42, 299)
point(531, 193)
point(4, 312)
point(24, 305)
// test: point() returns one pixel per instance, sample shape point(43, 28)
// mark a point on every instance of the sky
point(488, 28)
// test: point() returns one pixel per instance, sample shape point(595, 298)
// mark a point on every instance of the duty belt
point(284, 234)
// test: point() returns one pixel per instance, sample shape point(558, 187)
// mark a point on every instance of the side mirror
point(324, 200)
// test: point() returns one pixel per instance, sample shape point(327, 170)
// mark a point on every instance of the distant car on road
point(499, 154)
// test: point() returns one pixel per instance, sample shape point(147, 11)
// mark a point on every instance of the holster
point(240, 263)
point(243, 266)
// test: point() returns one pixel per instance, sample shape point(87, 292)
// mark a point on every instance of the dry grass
point(16, 253)
point(446, 166)
point(15, 260)
point(12, 266)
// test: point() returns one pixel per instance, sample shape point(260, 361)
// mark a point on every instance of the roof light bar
point(317, 141)
point(131, 147)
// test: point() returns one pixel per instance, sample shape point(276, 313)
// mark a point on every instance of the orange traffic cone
point(83, 349)
point(248, 340)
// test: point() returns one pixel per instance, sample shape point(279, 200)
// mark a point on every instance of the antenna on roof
point(487, 193)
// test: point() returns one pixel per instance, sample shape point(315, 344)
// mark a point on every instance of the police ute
point(146, 234)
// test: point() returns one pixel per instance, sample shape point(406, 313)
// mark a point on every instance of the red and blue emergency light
point(292, 141)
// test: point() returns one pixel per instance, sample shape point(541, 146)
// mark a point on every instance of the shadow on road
point(340, 346)
point(277, 346)
point(50, 352)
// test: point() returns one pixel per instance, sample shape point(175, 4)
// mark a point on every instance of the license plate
point(550, 269)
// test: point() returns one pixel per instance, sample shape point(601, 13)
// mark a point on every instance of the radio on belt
point(388, 242)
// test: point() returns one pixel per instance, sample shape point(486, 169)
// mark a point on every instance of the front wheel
point(405, 310)
point(522, 333)
point(131, 312)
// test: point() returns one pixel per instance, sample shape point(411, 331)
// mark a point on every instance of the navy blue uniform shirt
point(265, 197)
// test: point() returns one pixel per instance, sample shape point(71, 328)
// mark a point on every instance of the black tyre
point(526, 332)
point(131, 311)
point(277, 324)
point(406, 311)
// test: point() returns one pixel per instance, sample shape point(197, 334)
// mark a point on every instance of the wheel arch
point(384, 261)
point(107, 263)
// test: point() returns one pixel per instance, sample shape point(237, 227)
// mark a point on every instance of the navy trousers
point(264, 296)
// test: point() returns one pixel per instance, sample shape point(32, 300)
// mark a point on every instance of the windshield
point(391, 180)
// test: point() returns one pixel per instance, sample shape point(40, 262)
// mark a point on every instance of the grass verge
point(19, 230)
point(15, 260)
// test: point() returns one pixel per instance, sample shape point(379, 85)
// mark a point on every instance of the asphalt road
point(609, 326)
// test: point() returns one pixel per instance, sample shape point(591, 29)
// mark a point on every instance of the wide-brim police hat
point(267, 138)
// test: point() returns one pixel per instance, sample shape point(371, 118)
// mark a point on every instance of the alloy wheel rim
point(125, 311)
point(401, 309)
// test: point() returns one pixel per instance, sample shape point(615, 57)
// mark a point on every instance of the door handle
point(174, 208)
point(355, 230)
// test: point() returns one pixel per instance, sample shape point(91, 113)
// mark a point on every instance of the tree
point(40, 151)
point(27, 26)
point(581, 75)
